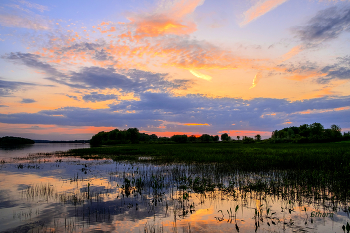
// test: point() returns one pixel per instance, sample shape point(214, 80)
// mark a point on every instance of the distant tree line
point(132, 135)
point(203, 138)
point(302, 134)
point(245, 139)
point(12, 141)
point(309, 133)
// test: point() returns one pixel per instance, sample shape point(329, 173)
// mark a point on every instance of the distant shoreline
point(48, 141)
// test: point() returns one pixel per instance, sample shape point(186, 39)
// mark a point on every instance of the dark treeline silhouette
point(132, 135)
point(204, 138)
point(305, 133)
point(11, 141)
point(309, 133)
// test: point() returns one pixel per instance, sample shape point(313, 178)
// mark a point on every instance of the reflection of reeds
point(39, 191)
point(179, 190)
point(47, 192)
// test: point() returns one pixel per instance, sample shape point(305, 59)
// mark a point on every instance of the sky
point(70, 69)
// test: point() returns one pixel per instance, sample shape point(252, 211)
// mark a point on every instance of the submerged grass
point(181, 177)
point(324, 165)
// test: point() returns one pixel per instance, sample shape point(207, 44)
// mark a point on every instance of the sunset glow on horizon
point(72, 69)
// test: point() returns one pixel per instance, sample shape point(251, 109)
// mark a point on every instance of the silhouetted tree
point(179, 138)
point(257, 137)
point(205, 138)
point(97, 139)
point(247, 140)
point(134, 135)
point(336, 131)
point(224, 137)
point(346, 136)
point(192, 138)
point(216, 138)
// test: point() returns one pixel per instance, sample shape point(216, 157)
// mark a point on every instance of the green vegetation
point(259, 156)
point(12, 141)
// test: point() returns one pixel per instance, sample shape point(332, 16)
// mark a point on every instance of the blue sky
point(70, 69)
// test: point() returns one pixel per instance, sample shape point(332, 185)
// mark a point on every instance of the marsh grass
point(323, 165)
point(181, 177)
point(326, 156)
point(180, 189)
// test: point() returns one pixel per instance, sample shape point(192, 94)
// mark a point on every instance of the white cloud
point(38, 7)
point(19, 21)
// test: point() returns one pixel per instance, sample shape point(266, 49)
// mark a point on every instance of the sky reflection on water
point(71, 194)
point(20, 151)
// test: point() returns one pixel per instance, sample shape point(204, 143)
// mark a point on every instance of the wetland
point(201, 187)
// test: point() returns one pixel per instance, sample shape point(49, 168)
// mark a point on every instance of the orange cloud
point(269, 114)
point(320, 93)
point(299, 77)
point(104, 29)
point(52, 129)
point(200, 75)
point(161, 25)
point(256, 80)
point(322, 110)
point(259, 9)
point(195, 124)
point(168, 18)
point(294, 51)
point(130, 51)
point(181, 8)
point(342, 109)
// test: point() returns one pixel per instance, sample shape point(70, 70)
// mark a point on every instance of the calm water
point(7, 153)
point(45, 193)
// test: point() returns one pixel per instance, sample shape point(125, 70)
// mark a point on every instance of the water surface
point(21, 151)
point(46, 193)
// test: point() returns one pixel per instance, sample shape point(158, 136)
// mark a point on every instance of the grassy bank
point(324, 156)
